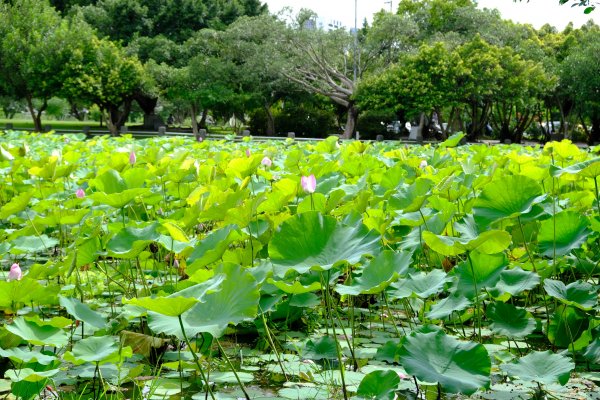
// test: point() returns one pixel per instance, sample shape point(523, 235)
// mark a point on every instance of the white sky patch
point(536, 12)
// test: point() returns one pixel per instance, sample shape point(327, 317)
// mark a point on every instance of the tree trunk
point(595, 131)
point(36, 117)
point(202, 124)
point(116, 117)
point(270, 121)
point(112, 127)
point(194, 111)
point(351, 121)
point(421, 127)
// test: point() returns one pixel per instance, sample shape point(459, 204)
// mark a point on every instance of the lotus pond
point(170, 269)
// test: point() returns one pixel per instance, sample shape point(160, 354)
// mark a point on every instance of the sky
point(535, 12)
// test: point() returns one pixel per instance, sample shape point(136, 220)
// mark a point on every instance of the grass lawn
point(28, 124)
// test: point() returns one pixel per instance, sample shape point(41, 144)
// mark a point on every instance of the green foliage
point(198, 241)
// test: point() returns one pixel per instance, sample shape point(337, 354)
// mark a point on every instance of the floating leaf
point(324, 347)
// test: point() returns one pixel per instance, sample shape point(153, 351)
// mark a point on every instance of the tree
point(332, 63)
point(251, 44)
point(40, 51)
point(580, 79)
point(423, 83)
point(590, 5)
point(108, 78)
point(523, 85)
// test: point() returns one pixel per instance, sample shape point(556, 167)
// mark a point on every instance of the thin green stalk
point(477, 309)
point(337, 345)
point(350, 346)
point(232, 369)
point(272, 344)
point(525, 244)
point(196, 359)
point(387, 305)
point(597, 196)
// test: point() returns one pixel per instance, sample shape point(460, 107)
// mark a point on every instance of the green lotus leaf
point(211, 248)
point(26, 291)
point(445, 307)
point(40, 335)
point(515, 281)
point(17, 204)
point(120, 199)
point(5, 155)
point(508, 197)
point(452, 141)
point(592, 351)
point(580, 294)
point(33, 244)
point(420, 284)
point(101, 349)
point(410, 198)
point(568, 230)
point(481, 271)
point(322, 348)
point(489, 242)
point(593, 171)
point(169, 306)
point(567, 325)
point(29, 375)
point(378, 274)
point(305, 392)
point(509, 321)
point(379, 385)
point(83, 312)
point(296, 287)
point(542, 367)
point(389, 352)
point(18, 355)
point(459, 367)
point(235, 302)
point(313, 240)
point(110, 182)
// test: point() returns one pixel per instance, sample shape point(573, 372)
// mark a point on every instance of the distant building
point(323, 23)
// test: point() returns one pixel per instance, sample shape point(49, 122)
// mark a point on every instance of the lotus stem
point(232, 369)
point(196, 359)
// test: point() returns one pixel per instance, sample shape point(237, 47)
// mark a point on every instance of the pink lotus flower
point(266, 161)
point(423, 164)
point(309, 183)
point(248, 153)
point(15, 273)
point(80, 193)
point(132, 157)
